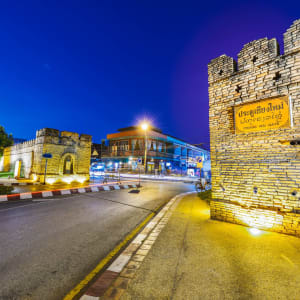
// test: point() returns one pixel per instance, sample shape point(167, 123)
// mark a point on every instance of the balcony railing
point(135, 153)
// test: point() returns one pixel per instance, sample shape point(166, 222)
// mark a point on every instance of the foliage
point(6, 174)
point(206, 196)
point(6, 140)
point(5, 190)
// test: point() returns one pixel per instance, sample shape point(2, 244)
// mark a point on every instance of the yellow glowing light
point(254, 231)
point(50, 180)
point(145, 126)
point(67, 179)
point(259, 218)
point(81, 179)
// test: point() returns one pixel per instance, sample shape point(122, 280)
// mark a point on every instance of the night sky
point(96, 66)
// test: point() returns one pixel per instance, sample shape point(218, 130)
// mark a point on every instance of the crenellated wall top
point(254, 54)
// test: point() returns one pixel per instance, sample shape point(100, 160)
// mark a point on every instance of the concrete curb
point(113, 281)
point(60, 192)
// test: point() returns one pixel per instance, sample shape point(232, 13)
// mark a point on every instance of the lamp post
point(145, 127)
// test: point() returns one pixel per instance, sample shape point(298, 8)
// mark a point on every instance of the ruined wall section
point(20, 152)
point(60, 145)
point(256, 175)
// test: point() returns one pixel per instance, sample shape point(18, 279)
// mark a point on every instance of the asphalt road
point(48, 246)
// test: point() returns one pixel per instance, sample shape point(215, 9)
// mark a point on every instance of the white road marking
point(53, 199)
point(139, 238)
point(119, 263)
point(150, 224)
point(88, 297)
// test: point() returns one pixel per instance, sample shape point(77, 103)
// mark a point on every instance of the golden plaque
point(269, 114)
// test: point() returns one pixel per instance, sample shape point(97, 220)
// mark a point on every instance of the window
point(124, 146)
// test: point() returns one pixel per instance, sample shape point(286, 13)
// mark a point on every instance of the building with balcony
point(165, 153)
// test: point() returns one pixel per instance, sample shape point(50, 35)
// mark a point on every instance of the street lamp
point(145, 127)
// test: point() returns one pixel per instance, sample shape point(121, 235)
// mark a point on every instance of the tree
point(6, 140)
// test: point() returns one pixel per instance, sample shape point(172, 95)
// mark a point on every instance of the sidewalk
point(195, 257)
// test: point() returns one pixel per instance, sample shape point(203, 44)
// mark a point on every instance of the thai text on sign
point(269, 114)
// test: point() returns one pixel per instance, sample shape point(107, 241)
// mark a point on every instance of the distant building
point(165, 153)
point(96, 151)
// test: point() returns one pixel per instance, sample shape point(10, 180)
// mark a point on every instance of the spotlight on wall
point(50, 180)
point(254, 231)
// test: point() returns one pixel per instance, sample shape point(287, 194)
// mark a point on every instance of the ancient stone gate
point(254, 120)
point(70, 156)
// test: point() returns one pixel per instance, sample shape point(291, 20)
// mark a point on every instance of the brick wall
point(256, 175)
point(60, 145)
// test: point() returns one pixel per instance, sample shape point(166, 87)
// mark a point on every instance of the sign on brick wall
point(269, 114)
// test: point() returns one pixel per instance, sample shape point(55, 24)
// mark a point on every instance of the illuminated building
point(165, 154)
point(70, 159)
point(255, 133)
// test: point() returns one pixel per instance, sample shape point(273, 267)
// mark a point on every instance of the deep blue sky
point(95, 66)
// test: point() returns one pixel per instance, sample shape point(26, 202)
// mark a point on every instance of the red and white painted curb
point(60, 192)
point(130, 259)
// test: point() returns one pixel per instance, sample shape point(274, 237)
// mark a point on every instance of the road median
point(69, 191)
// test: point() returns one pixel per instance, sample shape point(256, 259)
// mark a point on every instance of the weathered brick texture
point(256, 175)
point(60, 145)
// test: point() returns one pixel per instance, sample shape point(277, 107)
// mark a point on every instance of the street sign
point(200, 165)
point(139, 160)
point(47, 155)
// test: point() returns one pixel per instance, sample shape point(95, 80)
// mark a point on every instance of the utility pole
point(46, 155)
point(146, 146)
point(45, 170)
point(145, 127)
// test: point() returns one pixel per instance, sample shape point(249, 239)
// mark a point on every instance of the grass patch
point(6, 174)
point(206, 196)
point(5, 190)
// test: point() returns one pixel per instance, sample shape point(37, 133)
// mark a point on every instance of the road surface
point(50, 245)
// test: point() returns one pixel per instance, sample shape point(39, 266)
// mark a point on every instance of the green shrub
point(5, 190)
point(6, 174)
point(206, 196)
